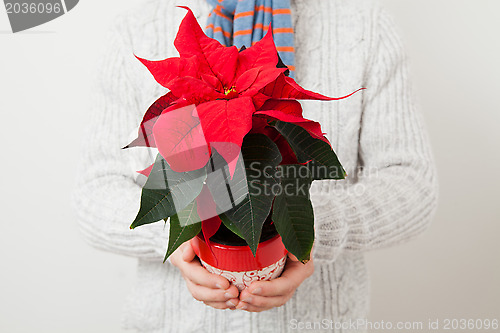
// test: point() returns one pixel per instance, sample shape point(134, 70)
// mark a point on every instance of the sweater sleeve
point(394, 193)
point(107, 194)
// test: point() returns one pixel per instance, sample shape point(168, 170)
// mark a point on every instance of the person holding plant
point(389, 196)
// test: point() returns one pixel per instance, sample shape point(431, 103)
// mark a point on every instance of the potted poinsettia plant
point(236, 156)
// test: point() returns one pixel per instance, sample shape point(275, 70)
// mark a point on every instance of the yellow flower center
point(229, 91)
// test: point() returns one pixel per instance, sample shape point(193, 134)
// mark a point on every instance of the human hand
point(211, 289)
point(265, 295)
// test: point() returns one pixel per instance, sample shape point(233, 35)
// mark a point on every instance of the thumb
point(188, 253)
point(292, 257)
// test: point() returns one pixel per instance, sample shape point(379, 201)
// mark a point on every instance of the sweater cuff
point(329, 229)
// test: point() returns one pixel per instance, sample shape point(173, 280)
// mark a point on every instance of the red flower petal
point(264, 77)
point(260, 125)
point(230, 152)
point(286, 88)
point(246, 79)
point(164, 71)
point(214, 58)
point(145, 137)
point(259, 99)
point(210, 226)
point(312, 127)
point(287, 153)
point(212, 81)
point(207, 210)
point(262, 53)
point(179, 137)
point(146, 171)
point(194, 90)
point(227, 121)
point(206, 206)
point(290, 111)
point(289, 107)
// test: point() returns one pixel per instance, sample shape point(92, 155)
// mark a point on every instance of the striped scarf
point(245, 22)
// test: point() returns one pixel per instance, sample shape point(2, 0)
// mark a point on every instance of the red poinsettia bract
point(228, 88)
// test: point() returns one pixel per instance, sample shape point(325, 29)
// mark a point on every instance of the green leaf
point(189, 215)
point(230, 225)
point(323, 162)
point(183, 226)
point(167, 192)
point(251, 187)
point(227, 192)
point(293, 214)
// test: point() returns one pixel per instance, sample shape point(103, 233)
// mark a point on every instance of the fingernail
point(257, 291)
point(247, 300)
point(242, 306)
point(228, 295)
point(230, 304)
point(218, 286)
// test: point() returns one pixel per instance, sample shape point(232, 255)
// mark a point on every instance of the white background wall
point(453, 271)
point(51, 281)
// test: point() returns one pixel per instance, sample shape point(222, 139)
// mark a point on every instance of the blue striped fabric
point(245, 22)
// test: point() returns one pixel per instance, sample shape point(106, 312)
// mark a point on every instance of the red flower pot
point(237, 263)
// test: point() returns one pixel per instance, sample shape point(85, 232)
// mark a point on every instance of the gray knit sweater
point(389, 196)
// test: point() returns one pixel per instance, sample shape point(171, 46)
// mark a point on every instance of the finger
point(280, 286)
point(266, 302)
point(233, 302)
point(250, 308)
point(188, 253)
point(193, 270)
point(293, 275)
point(177, 255)
point(197, 274)
point(204, 294)
point(221, 305)
point(296, 269)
